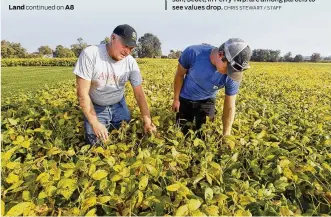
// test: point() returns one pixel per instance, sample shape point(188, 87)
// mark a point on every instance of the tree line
point(149, 46)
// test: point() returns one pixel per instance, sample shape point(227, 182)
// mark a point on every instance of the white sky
point(299, 27)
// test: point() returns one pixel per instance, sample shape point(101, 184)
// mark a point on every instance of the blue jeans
point(111, 116)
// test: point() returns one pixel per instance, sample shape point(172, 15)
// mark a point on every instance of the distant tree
point(78, 47)
point(298, 58)
point(134, 52)
point(174, 54)
point(45, 50)
point(273, 55)
point(149, 45)
point(62, 52)
point(316, 57)
point(265, 55)
point(327, 58)
point(259, 55)
point(105, 41)
point(288, 57)
point(12, 50)
point(34, 55)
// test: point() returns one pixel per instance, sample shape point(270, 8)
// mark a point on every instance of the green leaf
point(12, 121)
point(12, 178)
point(212, 210)
point(198, 213)
point(285, 211)
point(270, 157)
point(104, 199)
point(182, 211)
point(209, 179)
point(43, 178)
point(280, 185)
point(91, 212)
point(151, 170)
point(245, 200)
point(110, 161)
point(99, 174)
point(26, 195)
point(12, 165)
point(26, 144)
point(234, 158)
point(66, 187)
point(116, 178)
point(242, 213)
point(54, 151)
point(143, 183)
point(194, 204)
point(42, 195)
point(2, 208)
point(89, 202)
point(18, 209)
point(209, 194)
point(67, 165)
point(104, 184)
point(173, 187)
point(198, 178)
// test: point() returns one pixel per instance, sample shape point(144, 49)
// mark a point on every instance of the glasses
point(237, 67)
point(234, 65)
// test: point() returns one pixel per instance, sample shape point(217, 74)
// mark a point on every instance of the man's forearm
point(228, 118)
point(143, 106)
point(85, 103)
point(178, 83)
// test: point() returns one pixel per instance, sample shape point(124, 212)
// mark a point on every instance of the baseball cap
point(127, 33)
point(237, 53)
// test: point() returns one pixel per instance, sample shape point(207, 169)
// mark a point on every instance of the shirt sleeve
point(135, 75)
point(187, 58)
point(231, 87)
point(84, 66)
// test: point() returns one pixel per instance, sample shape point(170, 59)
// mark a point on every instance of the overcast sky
point(299, 27)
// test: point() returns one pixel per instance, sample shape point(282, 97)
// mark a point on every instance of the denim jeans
point(111, 116)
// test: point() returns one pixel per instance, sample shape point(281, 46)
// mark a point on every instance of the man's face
point(119, 49)
point(220, 64)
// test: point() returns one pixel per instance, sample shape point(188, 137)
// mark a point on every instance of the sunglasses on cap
point(237, 67)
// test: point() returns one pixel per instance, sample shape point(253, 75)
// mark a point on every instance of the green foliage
point(39, 62)
point(78, 47)
point(62, 52)
point(12, 50)
point(174, 54)
point(277, 162)
point(10, 62)
point(45, 50)
point(149, 46)
point(316, 57)
point(298, 58)
point(265, 55)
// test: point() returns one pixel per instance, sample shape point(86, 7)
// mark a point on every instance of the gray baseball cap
point(238, 53)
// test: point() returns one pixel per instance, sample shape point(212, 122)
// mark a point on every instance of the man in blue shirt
point(201, 72)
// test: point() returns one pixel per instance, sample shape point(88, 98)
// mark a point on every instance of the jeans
point(111, 116)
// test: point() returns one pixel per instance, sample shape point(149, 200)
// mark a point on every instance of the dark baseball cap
point(127, 33)
point(237, 53)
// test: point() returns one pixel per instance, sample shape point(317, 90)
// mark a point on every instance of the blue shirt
point(202, 80)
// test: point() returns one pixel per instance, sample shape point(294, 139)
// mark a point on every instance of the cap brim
point(237, 76)
point(130, 43)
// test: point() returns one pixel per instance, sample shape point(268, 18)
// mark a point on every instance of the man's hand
point(100, 131)
point(149, 127)
point(175, 105)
